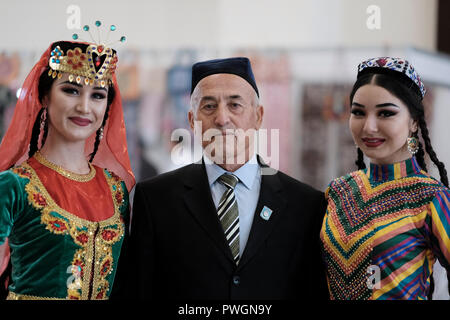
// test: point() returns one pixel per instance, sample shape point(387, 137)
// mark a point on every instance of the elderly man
point(222, 228)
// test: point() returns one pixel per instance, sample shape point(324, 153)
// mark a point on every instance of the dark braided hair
point(360, 160)
point(403, 88)
point(35, 133)
point(97, 135)
point(44, 87)
point(431, 153)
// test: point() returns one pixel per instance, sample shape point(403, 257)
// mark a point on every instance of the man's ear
point(259, 116)
point(191, 119)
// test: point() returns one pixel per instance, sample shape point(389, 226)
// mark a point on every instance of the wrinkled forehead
point(224, 85)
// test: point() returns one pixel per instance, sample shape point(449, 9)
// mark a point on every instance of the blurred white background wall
point(226, 23)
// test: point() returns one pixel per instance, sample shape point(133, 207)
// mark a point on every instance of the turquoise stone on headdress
point(95, 61)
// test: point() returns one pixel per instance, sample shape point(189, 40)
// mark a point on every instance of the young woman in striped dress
point(387, 224)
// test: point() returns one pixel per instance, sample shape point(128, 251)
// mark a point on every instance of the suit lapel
point(201, 206)
point(272, 197)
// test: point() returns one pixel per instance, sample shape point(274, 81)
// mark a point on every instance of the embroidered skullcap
point(393, 66)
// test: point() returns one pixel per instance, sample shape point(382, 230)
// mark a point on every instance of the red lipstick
point(373, 142)
point(80, 121)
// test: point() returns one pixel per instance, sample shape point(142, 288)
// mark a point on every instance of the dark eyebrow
point(388, 104)
point(381, 105)
point(356, 104)
point(100, 88)
point(81, 86)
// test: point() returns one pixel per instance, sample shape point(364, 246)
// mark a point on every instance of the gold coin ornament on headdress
point(96, 64)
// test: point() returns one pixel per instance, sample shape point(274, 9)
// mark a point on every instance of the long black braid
point(97, 135)
point(36, 132)
point(44, 86)
point(431, 153)
point(360, 160)
point(420, 156)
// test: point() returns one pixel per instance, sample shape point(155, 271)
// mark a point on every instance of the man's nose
point(222, 116)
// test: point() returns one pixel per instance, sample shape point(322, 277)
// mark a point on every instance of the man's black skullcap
point(239, 66)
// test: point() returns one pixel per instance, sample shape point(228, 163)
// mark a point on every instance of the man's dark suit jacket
point(177, 248)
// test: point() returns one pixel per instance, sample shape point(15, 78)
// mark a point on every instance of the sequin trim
point(14, 296)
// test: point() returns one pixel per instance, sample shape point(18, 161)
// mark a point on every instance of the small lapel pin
point(266, 213)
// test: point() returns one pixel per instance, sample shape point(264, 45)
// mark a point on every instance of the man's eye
point(208, 106)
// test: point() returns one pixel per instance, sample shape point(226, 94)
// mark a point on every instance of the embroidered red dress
point(65, 230)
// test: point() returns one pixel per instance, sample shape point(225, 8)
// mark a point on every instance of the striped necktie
point(228, 214)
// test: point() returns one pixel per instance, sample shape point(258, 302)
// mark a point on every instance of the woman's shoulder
point(438, 186)
point(14, 181)
point(17, 173)
point(109, 174)
point(116, 183)
point(427, 184)
point(344, 182)
point(425, 177)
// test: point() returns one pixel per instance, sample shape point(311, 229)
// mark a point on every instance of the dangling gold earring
point(413, 145)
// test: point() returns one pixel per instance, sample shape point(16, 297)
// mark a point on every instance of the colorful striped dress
point(383, 230)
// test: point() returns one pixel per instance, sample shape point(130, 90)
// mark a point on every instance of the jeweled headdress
point(390, 64)
point(94, 64)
